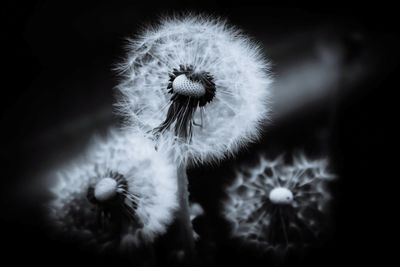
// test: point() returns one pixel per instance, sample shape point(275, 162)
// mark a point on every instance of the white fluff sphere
point(281, 196)
point(239, 71)
point(105, 189)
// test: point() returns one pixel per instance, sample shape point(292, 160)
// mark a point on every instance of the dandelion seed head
point(121, 191)
point(198, 80)
point(276, 205)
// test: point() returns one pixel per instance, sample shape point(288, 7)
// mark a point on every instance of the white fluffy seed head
point(183, 86)
point(281, 196)
point(235, 115)
point(105, 189)
point(150, 177)
point(298, 190)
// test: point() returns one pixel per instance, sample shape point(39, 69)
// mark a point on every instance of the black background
point(57, 90)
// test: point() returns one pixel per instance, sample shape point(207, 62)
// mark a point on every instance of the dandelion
point(277, 205)
point(199, 85)
point(198, 81)
point(123, 192)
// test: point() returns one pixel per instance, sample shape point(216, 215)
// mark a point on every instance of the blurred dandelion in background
point(277, 205)
point(121, 193)
point(198, 81)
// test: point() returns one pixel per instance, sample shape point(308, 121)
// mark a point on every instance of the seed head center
point(281, 196)
point(105, 189)
point(184, 86)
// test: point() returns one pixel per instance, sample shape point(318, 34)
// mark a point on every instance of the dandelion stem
point(186, 230)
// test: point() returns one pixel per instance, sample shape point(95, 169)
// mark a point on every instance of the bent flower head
point(277, 205)
point(197, 81)
point(122, 193)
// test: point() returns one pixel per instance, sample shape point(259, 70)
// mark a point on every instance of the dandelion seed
point(277, 205)
point(122, 193)
point(199, 82)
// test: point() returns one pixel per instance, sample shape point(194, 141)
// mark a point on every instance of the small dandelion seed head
point(121, 191)
point(199, 82)
point(277, 205)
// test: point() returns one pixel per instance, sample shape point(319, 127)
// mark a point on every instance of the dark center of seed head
point(189, 91)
